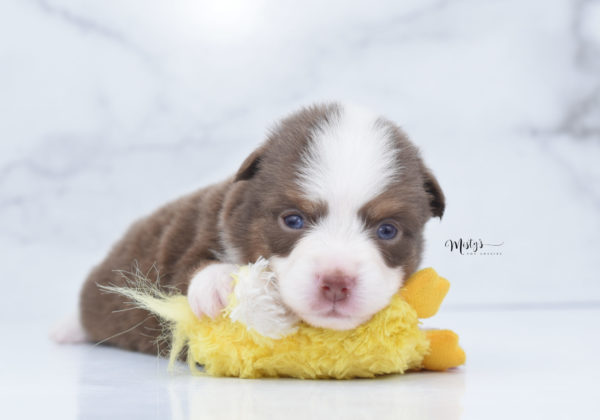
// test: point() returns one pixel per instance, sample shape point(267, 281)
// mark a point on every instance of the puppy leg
point(68, 331)
point(210, 288)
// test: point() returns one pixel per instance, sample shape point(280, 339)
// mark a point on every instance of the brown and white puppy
point(336, 199)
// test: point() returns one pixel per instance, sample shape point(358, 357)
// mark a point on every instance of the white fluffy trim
point(258, 303)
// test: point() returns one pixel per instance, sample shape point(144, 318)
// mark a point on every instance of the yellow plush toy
point(391, 342)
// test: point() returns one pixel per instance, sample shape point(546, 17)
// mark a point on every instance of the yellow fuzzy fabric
point(391, 342)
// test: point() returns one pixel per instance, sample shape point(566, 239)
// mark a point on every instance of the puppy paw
point(68, 331)
point(210, 288)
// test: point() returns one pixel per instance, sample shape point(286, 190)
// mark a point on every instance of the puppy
point(336, 199)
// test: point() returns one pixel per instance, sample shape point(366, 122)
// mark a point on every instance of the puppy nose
point(336, 287)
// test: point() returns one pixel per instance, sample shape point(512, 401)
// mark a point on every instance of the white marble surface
point(110, 108)
point(516, 368)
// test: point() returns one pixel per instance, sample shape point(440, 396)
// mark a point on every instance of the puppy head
point(337, 199)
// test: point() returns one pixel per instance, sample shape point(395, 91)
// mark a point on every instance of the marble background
point(110, 108)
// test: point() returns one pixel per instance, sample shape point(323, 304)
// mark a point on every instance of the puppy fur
point(342, 169)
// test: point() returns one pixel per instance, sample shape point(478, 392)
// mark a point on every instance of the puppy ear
point(437, 201)
point(250, 166)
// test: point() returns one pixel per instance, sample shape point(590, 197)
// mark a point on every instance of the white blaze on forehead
point(350, 161)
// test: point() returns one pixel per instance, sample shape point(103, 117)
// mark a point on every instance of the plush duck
point(257, 336)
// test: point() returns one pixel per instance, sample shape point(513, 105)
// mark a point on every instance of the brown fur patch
point(175, 240)
point(407, 203)
point(253, 206)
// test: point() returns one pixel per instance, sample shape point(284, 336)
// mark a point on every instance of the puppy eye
point(294, 221)
point(387, 231)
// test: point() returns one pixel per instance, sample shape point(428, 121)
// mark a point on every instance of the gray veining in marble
point(109, 109)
